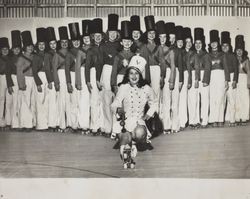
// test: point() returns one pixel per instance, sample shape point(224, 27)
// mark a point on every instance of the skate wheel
point(125, 166)
point(132, 165)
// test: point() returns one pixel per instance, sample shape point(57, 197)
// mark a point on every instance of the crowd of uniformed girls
point(70, 83)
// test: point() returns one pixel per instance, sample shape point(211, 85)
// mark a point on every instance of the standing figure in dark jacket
point(109, 50)
point(51, 92)
point(4, 47)
point(12, 102)
point(94, 63)
point(136, 33)
point(234, 74)
point(220, 77)
point(41, 81)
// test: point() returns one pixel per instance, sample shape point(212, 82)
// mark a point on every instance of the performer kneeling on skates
point(133, 95)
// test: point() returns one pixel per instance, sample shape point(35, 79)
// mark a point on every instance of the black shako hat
point(149, 23)
point(113, 22)
point(126, 30)
point(170, 28)
point(214, 36)
point(26, 38)
point(41, 35)
point(4, 42)
point(179, 33)
point(199, 34)
point(16, 40)
point(160, 27)
point(96, 26)
point(86, 27)
point(239, 42)
point(187, 33)
point(135, 22)
point(74, 31)
point(50, 34)
point(225, 37)
point(63, 33)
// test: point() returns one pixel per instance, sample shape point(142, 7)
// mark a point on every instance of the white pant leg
point(155, 75)
point(217, 96)
point(16, 101)
point(242, 99)
point(61, 99)
point(166, 103)
point(175, 104)
point(231, 102)
point(193, 103)
point(53, 120)
point(83, 103)
point(26, 111)
point(41, 101)
point(9, 108)
point(3, 90)
point(183, 102)
point(107, 98)
point(95, 103)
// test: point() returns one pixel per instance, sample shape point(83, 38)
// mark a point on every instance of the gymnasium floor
point(204, 153)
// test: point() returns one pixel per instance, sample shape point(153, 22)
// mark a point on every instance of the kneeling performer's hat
point(138, 63)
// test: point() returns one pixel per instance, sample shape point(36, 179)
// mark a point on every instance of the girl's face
point(198, 45)
point(136, 34)
point(179, 43)
point(53, 44)
point(188, 43)
point(163, 38)
point(86, 40)
point(16, 50)
point(30, 49)
point(41, 46)
point(172, 38)
point(214, 45)
point(5, 51)
point(239, 52)
point(97, 38)
point(134, 77)
point(151, 35)
point(225, 47)
point(76, 43)
point(126, 43)
point(64, 44)
point(112, 35)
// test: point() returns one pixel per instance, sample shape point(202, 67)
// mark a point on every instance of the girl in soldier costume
point(83, 95)
point(12, 113)
point(26, 83)
point(243, 86)
point(136, 33)
point(51, 92)
point(4, 47)
point(59, 64)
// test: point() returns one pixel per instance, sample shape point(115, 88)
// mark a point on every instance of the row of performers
point(71, 83)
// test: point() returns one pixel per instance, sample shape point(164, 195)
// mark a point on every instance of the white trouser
point(61, 99)
point(96, 115)
point(193, 103)
point(3, 90)
point(27, 104)
point(107, 98)
point(204, 102)
point(155, 77)
point(217, 96)
point(231, 102)
point(41, 100)
point(183, 102)
point(72, 105)
point(15, 106)
point(53, 120)
point(83, 101)
point(170, 104)
point(242, 99)
point(116, 124)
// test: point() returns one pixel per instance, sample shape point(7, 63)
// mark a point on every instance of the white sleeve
point(152, 102)
point(118, 98)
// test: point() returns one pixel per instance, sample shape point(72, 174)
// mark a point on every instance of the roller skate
point(128, 162)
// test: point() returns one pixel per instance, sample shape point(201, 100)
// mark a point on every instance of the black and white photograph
point(144, 90)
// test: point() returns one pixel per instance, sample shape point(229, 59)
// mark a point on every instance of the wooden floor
point(204, 153)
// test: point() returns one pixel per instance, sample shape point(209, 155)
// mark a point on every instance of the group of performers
point(85, 82)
